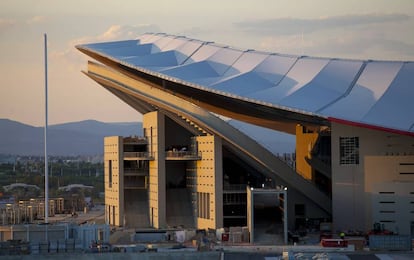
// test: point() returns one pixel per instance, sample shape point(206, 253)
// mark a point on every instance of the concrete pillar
point(209, 182)
point(154, 127)
point(250, 213)
point(114, 180)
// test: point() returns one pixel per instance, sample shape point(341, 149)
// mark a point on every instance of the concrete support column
point(250, 213)
point(154, 126)
point(114, 180)
point(209, 183)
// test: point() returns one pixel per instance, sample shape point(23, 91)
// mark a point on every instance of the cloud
point(349, 44)
point(290, 26)
point(197, 32)
point(36, 19)
point(371, 36)
point(6, 23)
point(75, 60)
point(117, 32)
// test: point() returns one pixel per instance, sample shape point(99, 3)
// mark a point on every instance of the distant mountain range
point(77, 138)
point(86, 137)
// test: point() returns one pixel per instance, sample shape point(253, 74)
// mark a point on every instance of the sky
point(352, 29)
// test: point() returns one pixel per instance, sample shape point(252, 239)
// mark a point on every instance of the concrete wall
point(209, 180)
point(390, 193)
point(312, 211)
point(175, 134)
point(35, 234)
point(154, 130)
point(349, 198)
point(114, 191)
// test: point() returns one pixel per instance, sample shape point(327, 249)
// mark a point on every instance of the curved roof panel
point(299, 75)
point(330, 83)
point(370, 93)
point(368, 89)
point(396, 105)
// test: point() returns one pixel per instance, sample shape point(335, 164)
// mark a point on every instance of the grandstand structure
point(353, 121)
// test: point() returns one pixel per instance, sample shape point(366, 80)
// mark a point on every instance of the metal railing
point(189, 155)
point(136, 171)
point(141, 155)
point(234, 187)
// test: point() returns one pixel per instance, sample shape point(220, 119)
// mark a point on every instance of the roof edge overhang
point(273, 116)
point(263, 114)
point(371, 127)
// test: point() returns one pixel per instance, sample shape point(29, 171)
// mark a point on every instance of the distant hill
point(78, 138)
point(86, 137)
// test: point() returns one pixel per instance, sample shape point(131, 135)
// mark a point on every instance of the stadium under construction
point(198, 164)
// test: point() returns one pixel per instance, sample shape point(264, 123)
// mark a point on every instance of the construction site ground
point(307, 246)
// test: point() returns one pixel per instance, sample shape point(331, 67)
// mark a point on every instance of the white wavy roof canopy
point(377, 94)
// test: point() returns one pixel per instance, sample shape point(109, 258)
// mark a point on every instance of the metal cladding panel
point(160, 59)
point(131, 51)
point(195, 66)
point(263, 75)
point(237, 73)
point(166, 59)
point(193, 71)
point(162, 42)
point(275, 66)
point(247, 62)
point(242, 84)
point(327, 86)
point(375, 93)
point(113, 45)
point(150, 37)
point(218, 70)
point(224, 59)
point(371, 85)
point(189, 48)
point(304, 70)
point(206, 51)
point(395, 108)
point(174, 44)
point(216, 62)
point(120, 50)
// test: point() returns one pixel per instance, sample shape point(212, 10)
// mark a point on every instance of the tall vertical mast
point(46, 156)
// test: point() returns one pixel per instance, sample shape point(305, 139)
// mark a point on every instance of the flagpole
point(46, 155)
